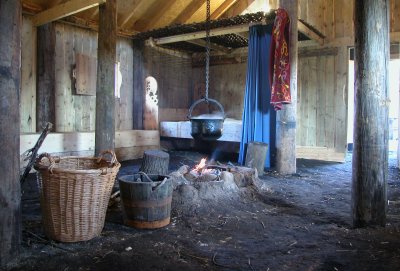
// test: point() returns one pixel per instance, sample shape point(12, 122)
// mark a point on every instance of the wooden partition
point(129, 144)
point(322, 104)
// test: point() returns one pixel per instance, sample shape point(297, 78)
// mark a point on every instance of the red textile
point(279, 61)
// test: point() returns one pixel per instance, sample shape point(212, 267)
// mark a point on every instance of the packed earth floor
point(300, 222)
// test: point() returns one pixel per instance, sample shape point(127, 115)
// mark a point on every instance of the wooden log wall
point(73, 112)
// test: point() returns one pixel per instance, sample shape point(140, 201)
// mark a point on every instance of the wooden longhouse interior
point(108, 107)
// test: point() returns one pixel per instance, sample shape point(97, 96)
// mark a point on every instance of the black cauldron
point(207, 128)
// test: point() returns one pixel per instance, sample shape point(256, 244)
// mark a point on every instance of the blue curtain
point(259, 118)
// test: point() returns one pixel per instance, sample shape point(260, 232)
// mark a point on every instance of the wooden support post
point(155, 162)
point(286, 118)
point(370, 154)
point(10, 192)
point(138, 84)
point(105, 93)
point(45, 91)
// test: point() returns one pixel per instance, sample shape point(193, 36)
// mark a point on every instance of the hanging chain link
point(207, 48)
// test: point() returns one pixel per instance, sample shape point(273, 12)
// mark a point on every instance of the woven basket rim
point(102, 170)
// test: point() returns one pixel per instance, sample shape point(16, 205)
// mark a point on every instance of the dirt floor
point(302, 222)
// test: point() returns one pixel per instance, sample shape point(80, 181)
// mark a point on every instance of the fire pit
point(205, 184)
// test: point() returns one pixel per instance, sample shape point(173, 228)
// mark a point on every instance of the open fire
point(201, 172)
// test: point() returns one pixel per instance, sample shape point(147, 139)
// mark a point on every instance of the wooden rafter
point(201, 34)
point(136, 12)
point(188, 12)
point(153, 19)
point(303, 28)
point(63, 10)
point(237, 8)
point(222, 8)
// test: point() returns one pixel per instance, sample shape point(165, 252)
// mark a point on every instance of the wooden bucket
point(146, 200)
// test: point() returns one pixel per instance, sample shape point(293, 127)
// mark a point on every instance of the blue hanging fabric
point(259, 118)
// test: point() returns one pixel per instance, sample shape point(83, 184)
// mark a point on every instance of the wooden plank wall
point(322, 101)
point(28, 76)
point(74, 113)
point(227, 86)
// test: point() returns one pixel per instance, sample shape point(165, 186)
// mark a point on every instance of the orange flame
point(201, 165)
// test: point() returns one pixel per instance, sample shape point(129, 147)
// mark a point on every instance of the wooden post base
point(256, 155)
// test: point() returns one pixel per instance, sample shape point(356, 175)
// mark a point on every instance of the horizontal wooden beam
point(202, 34)
point(303, 28)
point(213, 46)
point(63, 10)
point(129, 144)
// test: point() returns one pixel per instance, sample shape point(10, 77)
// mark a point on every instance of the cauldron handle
point(206, 101)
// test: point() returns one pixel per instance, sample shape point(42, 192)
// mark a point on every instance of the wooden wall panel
point(173, 75)
point(76, 113)
point(322, 102)
point(227, 86)
point(124, 105)
point(28, 76)
point(395, 16)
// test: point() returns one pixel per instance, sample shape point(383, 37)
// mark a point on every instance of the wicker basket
point(74, 194)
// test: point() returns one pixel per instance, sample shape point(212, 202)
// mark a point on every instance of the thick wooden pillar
point(138, 84)
point(370, 154)
point(286, 118)
point(105, 93)
point(45, 91)
point(10, 65)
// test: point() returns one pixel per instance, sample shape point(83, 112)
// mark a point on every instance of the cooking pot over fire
point(207, 127)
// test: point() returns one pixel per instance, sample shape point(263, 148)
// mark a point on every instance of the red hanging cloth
point(279, 60)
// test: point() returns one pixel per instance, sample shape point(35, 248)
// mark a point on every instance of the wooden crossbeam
point(202, 34)
point(188, 12)
point(63, 10)
point(303, 28)
point(213, 46)
point(222, 8)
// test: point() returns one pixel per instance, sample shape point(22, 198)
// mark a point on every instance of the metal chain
point(207, 48)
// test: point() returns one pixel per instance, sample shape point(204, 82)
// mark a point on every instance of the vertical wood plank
point(138, 84)
point(45, 99)
point(105, 99)
point(312, 95)
point(341, 66)
point(28, 76)
point(370, 155)
point(10, 194)
point(320, 101)
point(330, 87)
point(286, 118)
point(125, 58)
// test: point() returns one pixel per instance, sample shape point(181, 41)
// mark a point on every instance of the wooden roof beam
point(63, 10)
point(222, 8)
point(134, 15)
point(154, 18)
point(306, 30)
point(202, 34)
point(188, 12)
